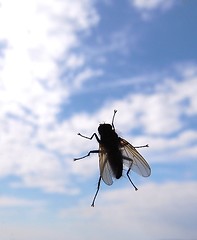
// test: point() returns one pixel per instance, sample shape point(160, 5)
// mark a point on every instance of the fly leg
point(87, 155)
point(130, 179)
point(98, 187)
point(90, 138)
point(142, 146)
point(115, 111)
point(127, 158)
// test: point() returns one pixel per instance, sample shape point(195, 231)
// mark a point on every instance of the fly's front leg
point(115, 111)
point(90, 138)
point(93, 151)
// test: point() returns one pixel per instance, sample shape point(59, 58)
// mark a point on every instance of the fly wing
point(133, 159)
point(105, 169)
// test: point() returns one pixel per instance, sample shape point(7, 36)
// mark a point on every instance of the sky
point(64, 67)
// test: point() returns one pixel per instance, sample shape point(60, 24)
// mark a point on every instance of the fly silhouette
point(114, 153)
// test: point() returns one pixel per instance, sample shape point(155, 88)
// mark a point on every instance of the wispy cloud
point(85, 75)
point(36, 149)
point(40, 37)
point(146, 7)
point(52, 54)
point(152, 4)
point(6, 201)
point(154, 211)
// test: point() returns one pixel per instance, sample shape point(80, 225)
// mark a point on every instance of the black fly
point(114, 152)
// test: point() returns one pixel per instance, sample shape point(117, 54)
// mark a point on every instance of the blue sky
point(64, 67)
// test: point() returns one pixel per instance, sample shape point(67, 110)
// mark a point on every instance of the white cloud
point(73, 61)
point(152, 4)
point(153, 211)
point(34, 167)
point(145, 7)
point(158, 115)
point(35, 230)
point(158, 112)
point(164, 210)
point(38, 35)
point(6, 201)
point(85, 75)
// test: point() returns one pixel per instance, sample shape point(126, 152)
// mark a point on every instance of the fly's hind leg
point(131, 180)
point(127, 158)
point(98, 187)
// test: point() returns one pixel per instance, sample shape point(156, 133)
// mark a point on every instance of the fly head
point(105, 129)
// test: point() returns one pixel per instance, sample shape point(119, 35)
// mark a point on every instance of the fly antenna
point(115, 111)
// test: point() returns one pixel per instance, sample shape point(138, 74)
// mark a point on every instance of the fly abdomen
point(116, 164)
point(119, 173)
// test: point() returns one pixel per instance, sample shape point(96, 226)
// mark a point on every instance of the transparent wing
point(105, 169)
point(133, 159)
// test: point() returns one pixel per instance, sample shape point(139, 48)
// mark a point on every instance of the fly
point(114, 153)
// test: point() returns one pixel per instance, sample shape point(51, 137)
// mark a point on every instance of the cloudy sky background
point(64, 67)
